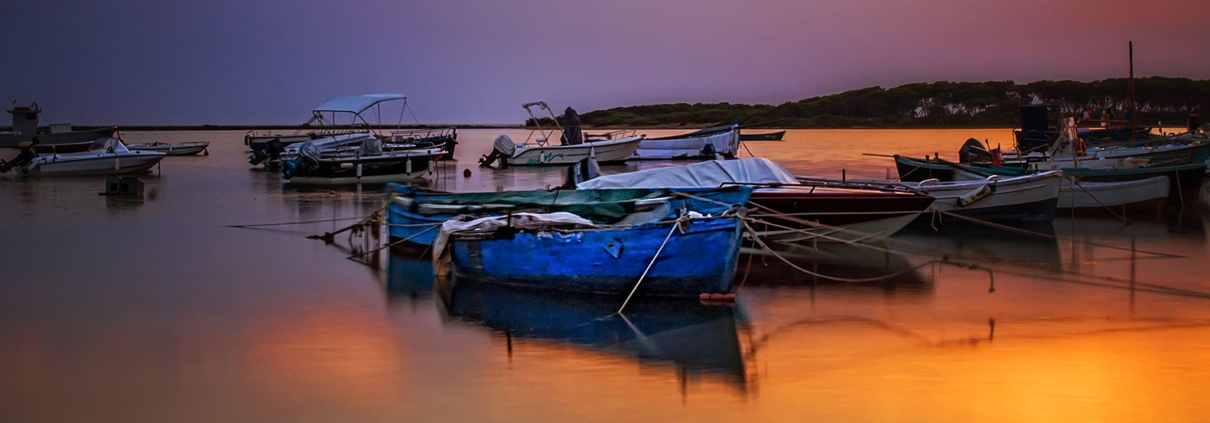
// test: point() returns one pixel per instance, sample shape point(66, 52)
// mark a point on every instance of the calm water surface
point(116, 310)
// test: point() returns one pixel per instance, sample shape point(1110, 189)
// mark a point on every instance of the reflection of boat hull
point(698, 338)
point(874, 267)
point(695, 259)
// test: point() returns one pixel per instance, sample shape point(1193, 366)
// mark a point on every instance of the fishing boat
point(707, 144)
point(1186, 179)
point(181, 149)
point(367, 165)
point(1146, 195)
point(1037, 134)
point(106, 156)
point(414, 214)
point(266, 148)
point(572, 148)
point(695, 340)
point(58, 138)
point(1026, 198)
point(768, 136)
point(786, 208)
point(685, 257)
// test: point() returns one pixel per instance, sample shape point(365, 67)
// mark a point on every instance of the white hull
point(693, 147)
point(1008, 192)
point(171, 150)
point(865, 232)
point(97, 165)
point(609, 151)
point(353, 180)
point(1097, 195)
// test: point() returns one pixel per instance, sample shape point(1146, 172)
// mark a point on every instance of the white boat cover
point(356, 103)
point(441, 258)
point(504, 144)
point(698, 175)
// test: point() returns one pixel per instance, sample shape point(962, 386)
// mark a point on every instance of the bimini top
point(709, 174)
point(357, 103)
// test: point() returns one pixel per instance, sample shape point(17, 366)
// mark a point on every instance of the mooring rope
point(765, 247)
point(675, 225)
point(1048, 236)
point(302, 222)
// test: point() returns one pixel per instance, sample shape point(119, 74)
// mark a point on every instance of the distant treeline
point(937, 104)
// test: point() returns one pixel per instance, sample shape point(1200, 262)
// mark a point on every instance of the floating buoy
point(716, 296)
point(729, 297)
point(704, 296)
point(466, 173)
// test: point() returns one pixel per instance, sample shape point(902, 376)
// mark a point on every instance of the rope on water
point(302, 222)
point(765, 247)
point(1076, 183)
point(434, 226)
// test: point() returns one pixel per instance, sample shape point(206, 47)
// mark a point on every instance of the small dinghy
point(572, 147)
point(684, 257)
point(106, 156)
point(707, 144)
point(769, 136)
point(181, 149)
point(365, 165)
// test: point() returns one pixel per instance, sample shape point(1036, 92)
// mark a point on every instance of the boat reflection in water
point(695, 339)
point(1039, 250)
point(408, 276)
point(870, 265)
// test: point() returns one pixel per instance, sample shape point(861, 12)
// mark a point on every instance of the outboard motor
point(271, 152)
point(974, 151)
point(23, 158)
point(572, 135)
point(308, 160)
point(502, 149)
point(583, 170)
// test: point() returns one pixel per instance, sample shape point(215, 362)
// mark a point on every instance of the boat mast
point(1133, 113)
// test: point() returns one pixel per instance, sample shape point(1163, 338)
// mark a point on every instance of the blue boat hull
point(419, 229)
point(702, 259)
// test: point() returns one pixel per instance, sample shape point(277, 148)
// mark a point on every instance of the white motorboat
point(365, 165)
point(707, 144)
point(181, 149)
point(1144, 194)
point(572, 148)
point(106, 156)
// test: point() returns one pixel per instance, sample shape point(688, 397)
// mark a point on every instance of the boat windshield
point(108, 145)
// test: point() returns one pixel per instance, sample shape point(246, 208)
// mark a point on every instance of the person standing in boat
point(572, 134)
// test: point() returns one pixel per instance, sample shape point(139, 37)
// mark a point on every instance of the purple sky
point(476, 61)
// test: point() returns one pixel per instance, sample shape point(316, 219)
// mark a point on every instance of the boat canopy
point(709, 174)
point(112, 145)
point(357, 103)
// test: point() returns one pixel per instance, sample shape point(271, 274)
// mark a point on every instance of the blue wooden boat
point(699, 257)
point(413, 214)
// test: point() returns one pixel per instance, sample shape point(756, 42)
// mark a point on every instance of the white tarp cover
point(441, 257)
point(356, 103)
point(698, 175)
